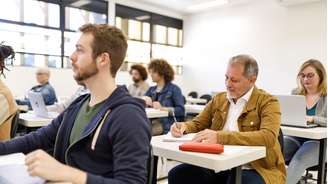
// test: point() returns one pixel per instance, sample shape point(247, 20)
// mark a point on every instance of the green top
point(311, 111)
point(83, 118)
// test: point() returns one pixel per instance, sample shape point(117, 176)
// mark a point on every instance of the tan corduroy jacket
point(258, 124)
point(8, 109)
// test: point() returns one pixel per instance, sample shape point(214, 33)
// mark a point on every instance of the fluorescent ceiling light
point(81, 3)
point(143, 17)
point(206, 5)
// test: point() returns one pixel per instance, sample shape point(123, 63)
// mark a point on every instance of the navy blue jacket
point(122, 146)
point(170, 96)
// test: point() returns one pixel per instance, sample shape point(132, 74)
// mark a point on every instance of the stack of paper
point(185, 138)
point(14, 171)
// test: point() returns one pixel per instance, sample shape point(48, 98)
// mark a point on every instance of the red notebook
point(202, 147)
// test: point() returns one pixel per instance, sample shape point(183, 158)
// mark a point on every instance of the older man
point(244, 115)
point(44, 87)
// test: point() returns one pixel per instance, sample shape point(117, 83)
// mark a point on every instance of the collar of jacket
point(250, 105)
point(165, 88)
point(40, 85)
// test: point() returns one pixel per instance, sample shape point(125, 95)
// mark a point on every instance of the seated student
point(139, 77)
point(303, 153)
point(244, 115)
point(44, 87)
point(165, 95)
point(8, 107)
point(102, 137)
point(61, 106)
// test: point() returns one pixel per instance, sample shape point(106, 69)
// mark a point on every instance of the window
point(160, 34)
point(164, 40)
point(134, 29)
point(75, 18)
point(33, 28)
point(8, 10)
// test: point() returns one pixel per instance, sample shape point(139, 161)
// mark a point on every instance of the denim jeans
point(190, 174)
point(301, 154)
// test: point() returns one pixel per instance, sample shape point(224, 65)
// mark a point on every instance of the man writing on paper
point(244, 115)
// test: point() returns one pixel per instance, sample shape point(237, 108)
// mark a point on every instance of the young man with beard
point(139, 77)
point(102, 137)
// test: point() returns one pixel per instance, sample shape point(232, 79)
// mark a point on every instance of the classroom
point(163, 92)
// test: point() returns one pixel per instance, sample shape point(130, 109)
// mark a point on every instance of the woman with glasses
point(302, 153)
point(8, 107)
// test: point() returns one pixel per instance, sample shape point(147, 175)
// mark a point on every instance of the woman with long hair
point(302, 153)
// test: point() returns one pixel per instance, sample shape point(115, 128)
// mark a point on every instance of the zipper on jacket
point(66, 152)
point(61, 123)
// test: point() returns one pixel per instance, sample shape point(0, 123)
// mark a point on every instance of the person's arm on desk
point(41, 164)
point(178, 129)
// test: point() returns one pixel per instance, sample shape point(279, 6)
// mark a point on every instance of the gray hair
point(43, 70)
point(250, 65)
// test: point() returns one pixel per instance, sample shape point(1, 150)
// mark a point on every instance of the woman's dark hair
point(6, 52)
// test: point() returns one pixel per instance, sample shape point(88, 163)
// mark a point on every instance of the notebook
point(185, 138)
point(14, 171)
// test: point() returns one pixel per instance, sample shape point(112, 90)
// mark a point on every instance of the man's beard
point(136, 80)
point(80, 77)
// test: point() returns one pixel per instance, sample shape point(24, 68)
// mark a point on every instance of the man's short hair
point(141, 69)
point(250, 65)
point(43, 70)
point(108, 39)
point(163, 68)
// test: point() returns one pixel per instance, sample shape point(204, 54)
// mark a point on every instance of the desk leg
point(236, 175)
point(322, 161)
point(155, 170)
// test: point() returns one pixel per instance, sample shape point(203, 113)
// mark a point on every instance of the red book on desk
point(202, 147)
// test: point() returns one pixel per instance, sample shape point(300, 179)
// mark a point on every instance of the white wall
point(279, 37)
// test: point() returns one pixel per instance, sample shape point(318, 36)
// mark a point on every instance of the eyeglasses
point(308, 76)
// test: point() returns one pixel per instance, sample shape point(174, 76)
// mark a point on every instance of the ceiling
point(181, 5)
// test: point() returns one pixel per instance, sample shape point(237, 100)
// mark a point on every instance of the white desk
point(318, 133)
point(310, 133)
point(195, 100)
point(155, 113)
point(233, 156)
point(194, 108)
point(31, 121)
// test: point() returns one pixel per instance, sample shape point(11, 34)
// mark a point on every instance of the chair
point(281, 141)
point(184, 100)
point(309, 176)
point(207, 97)
point(193, 94)
point(150, 166)
point(14, 125)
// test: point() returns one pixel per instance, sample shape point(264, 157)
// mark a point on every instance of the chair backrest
point(281, 141)
point(193, 94)
point(184, 100)
point(14, 125)
point(150, 166)
point(207, 97)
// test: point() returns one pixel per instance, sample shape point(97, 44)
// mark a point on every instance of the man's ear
point(103, 58)
point(253, 79)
